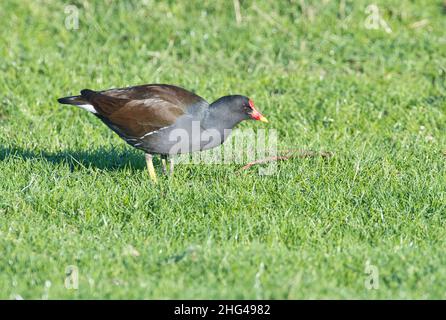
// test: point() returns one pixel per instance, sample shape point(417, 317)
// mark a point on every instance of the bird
point(165, 120)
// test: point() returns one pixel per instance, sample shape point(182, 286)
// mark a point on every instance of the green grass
point(73, 193)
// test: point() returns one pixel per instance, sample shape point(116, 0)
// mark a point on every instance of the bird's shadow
point(101, 158)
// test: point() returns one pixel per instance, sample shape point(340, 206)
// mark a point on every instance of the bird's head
point(240, 106)
point(250, 109)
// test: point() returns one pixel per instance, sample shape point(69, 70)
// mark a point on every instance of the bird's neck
point(220, 118)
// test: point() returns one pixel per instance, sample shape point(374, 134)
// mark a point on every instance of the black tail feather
point(87, 93)
point(73, 100)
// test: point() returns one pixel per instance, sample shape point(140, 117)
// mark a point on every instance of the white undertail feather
point(87, 107)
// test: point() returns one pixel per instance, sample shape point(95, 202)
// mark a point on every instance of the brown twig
point(289, 154)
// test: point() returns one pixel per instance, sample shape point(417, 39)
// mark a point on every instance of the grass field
point(73, 194)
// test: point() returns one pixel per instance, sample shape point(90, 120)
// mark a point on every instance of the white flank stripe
point(156, 131)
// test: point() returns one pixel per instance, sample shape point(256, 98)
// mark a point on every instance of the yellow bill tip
point(263, 119)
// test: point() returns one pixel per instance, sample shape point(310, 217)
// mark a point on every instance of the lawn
point(74, 196)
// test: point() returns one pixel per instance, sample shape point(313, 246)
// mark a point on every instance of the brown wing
point(136, 111)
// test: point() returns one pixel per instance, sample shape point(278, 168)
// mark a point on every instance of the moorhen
point(165, 119)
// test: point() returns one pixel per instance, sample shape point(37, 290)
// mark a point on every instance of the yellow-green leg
point(171, 166)
point(149, 161)
point(164, 163)
point(167, 165)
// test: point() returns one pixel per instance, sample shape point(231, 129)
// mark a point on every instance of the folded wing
point(137, 111)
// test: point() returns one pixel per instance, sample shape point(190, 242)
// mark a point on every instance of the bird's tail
point(73, 100)
point(79, 101)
